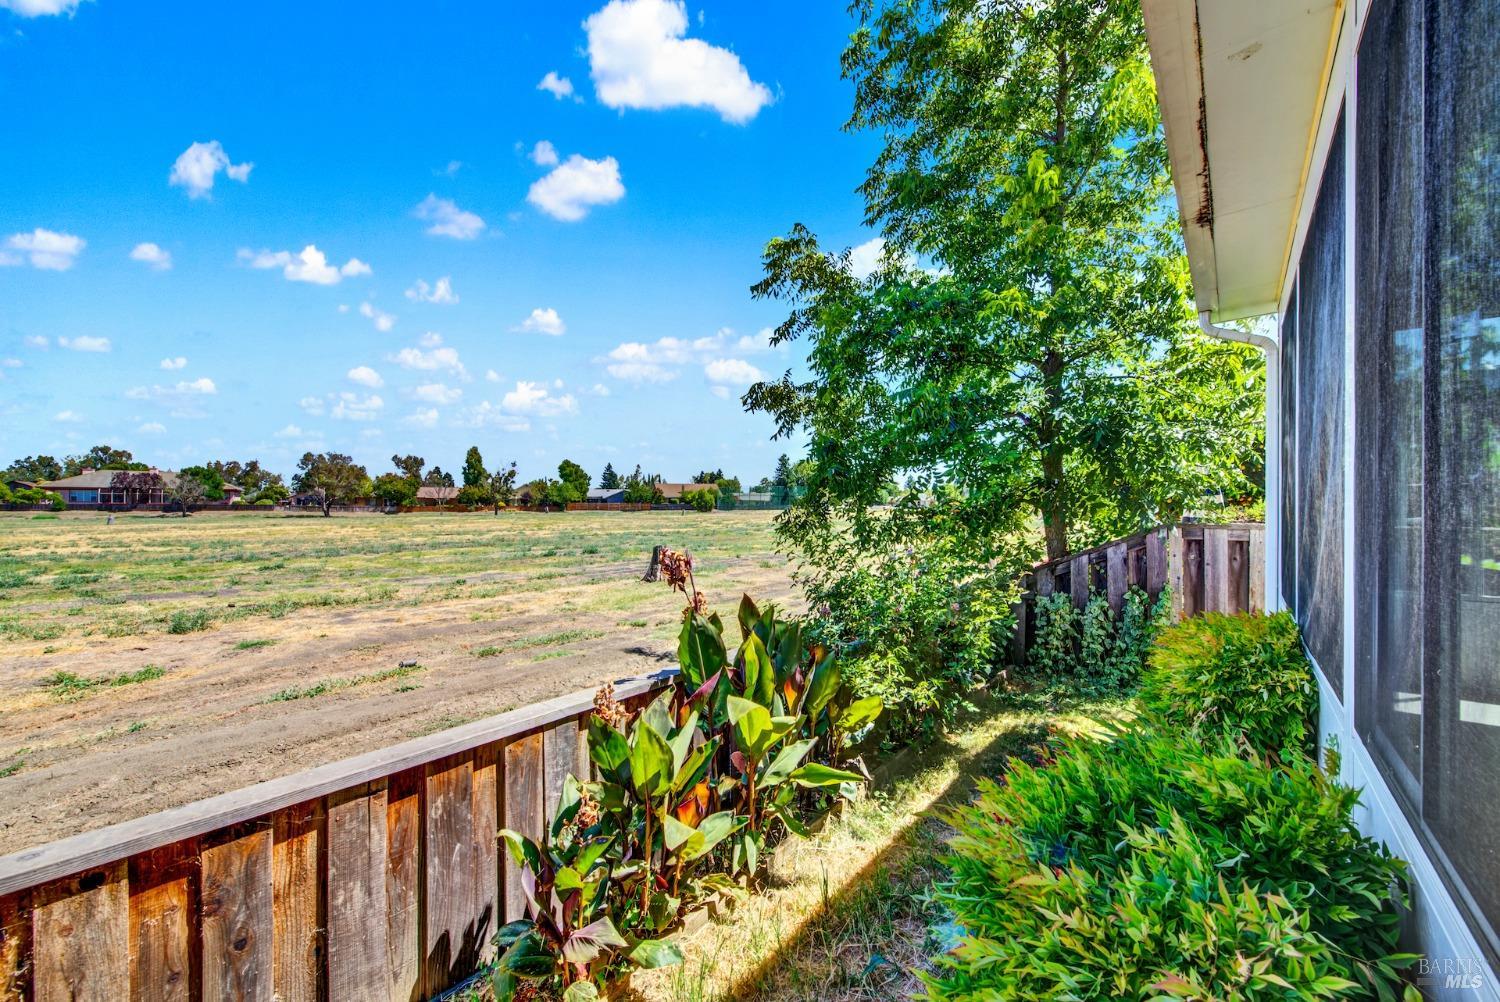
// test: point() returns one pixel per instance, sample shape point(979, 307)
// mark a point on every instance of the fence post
point(1080, 580)
point(1215, 569)
point(1115, 572)
point(1257, 571)
point(1176, 557)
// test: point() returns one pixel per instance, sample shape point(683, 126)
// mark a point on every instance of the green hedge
point(1174, 859)
point(1242, 677)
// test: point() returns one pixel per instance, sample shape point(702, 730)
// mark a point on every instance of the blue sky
point(236, 231)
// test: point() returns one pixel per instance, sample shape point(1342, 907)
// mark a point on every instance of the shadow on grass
point(865, 940)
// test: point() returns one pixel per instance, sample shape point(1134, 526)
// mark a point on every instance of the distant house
point(20, 485)
point(674, 492)
point(605, 495)
point(437, 495)
point(92, 487)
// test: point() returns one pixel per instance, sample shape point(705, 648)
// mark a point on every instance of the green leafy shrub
point(189, 621)
point(1244, 676)
point(1149, 866)
point(693, 795)
point(700, 501)
point(920, 629)
point(1095, 648)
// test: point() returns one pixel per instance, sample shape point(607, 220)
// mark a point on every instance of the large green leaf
point(755, 730)
point(581, 991)
point(714, 829)
point(682, 741)
point(650, 761)
point(653, 953)
point(821, 687)
point(675, 835)
point(749, 615)
point(760, 672)
point(859, 713)
point(696, 765)
point(523, 850)
point(609, 751)
point(785, 761)
point(658, 713)
point(816, 774)
point(700, 649)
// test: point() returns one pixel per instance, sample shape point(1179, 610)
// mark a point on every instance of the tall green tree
point(609, 479)
point(474, 472)
point(502, 485)
point(437, 477)
point(1027, 338)
point(331, 477)
point(409, 467)
point(34, 469)
point(576, 478)
point(783, 475)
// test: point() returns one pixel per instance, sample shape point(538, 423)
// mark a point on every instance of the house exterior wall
point(1382, 494)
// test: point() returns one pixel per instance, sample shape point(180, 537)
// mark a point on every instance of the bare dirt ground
point(157, 661)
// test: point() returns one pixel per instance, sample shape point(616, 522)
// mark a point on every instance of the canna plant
point(689, 798)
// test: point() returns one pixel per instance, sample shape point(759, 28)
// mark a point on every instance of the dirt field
point(157, 660)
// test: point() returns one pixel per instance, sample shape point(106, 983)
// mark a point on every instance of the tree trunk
point(1053, 506)
point(653, 572)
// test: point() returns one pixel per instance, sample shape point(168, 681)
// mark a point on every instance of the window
point(1319, 407)
point(1428, 412)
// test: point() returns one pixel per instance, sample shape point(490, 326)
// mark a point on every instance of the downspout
point(1272, 351)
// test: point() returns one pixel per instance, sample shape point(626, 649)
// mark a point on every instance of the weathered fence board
point(81, 935)
point(238, 922)
point(162, 907)
point(357, 892)
point(297, 902)
point(523, 811)
point(378, 877)
point(1208, 568)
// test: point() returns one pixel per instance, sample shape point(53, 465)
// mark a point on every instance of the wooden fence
point(1209, 568)
point(375, 878)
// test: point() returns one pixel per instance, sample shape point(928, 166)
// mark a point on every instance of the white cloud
point(639, 58)
point(866, 258)
point(576, 185)
point(173, 364)
point(487, 415)
point(70, 417)
point(440, 292)
point(534, 398)
point(84, 343)
point(313, 405)
point(437, 393)
point(544, 154)
point(600, 390)
point(10, 363)
point(731, 372)
point(44, 249)
point(434, 359)
point(155, 256)
point(198, 165)
point(447, 219)
point(290, 431)
point(431, 339)
point(200, 387)
point(365, 376)
point(422, 419)
point(558, 87)
point(663, 359)
point(452, 169)
point(352, 407)
point(543, 320)
point(36, 341)
point(383, 321)
point(40, 8)
point(491, 376)
point(308, 265)
point(151, 428)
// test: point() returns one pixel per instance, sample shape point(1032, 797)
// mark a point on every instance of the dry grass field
point(157, 660)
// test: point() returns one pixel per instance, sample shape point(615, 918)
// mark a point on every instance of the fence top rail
point(1195, 529)
point(53, 860)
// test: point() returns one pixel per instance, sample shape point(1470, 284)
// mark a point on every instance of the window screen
point(1320, 423)
point(1289, 452)
point(1428, 413)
